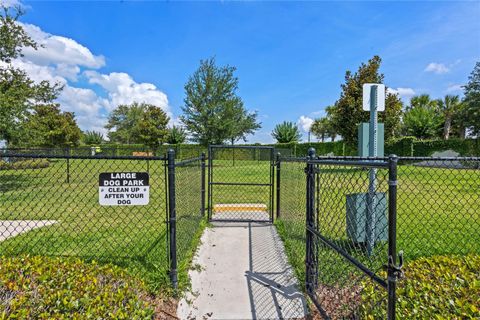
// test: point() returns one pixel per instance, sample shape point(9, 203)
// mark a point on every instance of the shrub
point(24, 164)
point(440, 287)
point(46, 288)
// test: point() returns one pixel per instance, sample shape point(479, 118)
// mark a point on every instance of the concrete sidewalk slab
point(243, 274)
point(11, 228)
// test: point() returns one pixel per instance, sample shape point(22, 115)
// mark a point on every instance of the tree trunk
point(447, 127)
point(323, 138)
point(461, 131)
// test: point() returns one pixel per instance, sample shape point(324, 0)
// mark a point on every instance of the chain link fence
point(55, 205)
point(438, 214)
point(190, 199)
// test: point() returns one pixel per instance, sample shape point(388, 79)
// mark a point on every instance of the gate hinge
point(395, 272)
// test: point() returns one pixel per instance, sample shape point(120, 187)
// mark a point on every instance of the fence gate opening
point(240, 183)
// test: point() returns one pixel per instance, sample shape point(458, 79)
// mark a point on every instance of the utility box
point(363, 139)
point(357, 217)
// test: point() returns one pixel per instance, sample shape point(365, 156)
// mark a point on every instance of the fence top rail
point(97, 157)
point(440, 158)
point(359, 163)
point(376, 159)
point(227, 146)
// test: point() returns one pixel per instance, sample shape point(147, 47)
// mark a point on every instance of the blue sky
point(291, 56)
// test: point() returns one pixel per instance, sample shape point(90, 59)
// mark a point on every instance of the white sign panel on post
point(367, 87)
point(123, 188)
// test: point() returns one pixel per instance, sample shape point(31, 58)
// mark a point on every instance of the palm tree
point(321, 128)
point(176, 135)
point(423, 101)
point(422, 118)
point(92, 137)
point(450, 106)
point(286, 132)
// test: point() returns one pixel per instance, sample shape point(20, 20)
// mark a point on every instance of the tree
point(48, 126)
point(18, 93)
point(153, 126)
point(450, 106)
point(123, 123)
point(321, 128)
point(93, 137)
point(213, 112)
point(286, 132)
point(242, 124)
point(472, 100)
point(138, 123)
point(422, 118)
point(176, 135)
point(347, 112)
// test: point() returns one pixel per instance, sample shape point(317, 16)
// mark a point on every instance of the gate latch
point(395, 270)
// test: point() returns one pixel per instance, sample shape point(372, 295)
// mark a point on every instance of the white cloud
point(454, 88)
point(122, 89)
point(10, 3)
point(62, 60)
point(54, 49)
point(305, 123)
point(404, 93)
point(437, 68)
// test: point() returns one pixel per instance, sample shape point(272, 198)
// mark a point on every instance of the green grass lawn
point(130, 236)
point(438, 212)
point(241, 171)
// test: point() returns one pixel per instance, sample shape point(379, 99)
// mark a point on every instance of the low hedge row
point(54, 288)
point(24, 164)
point(440, 287)
point(410, 146)
point(405, 146)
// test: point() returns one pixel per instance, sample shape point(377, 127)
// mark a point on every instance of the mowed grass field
point(133, 237)
point(438, 213)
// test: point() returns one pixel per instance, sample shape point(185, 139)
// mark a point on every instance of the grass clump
point(34, 287)
point(440, 287)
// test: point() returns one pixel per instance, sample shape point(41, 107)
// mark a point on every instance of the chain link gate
point(351, 269)
point(240, 183)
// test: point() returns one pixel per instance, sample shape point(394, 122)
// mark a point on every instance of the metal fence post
point(67, 151)
point(172, 217)
point(278, 185)
point(310, 201)
point(210, 164)
point(392, 236)
point(202, 159)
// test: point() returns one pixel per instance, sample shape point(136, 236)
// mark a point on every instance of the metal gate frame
point(313, 234)
point(212, 183)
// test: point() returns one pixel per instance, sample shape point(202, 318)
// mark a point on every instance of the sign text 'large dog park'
point(123, 188)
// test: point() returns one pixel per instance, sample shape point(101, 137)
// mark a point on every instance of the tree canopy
point(153, 126)
point(213, 112)
point(472, 100)
point(48, 126)
point(422, 117)
point(347, 113)
point(19, 95)
point(138, 123)
point(92, 137)
point(286, 132)
point(176, 135)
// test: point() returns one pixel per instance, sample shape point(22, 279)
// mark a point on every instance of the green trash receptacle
point(357, 217)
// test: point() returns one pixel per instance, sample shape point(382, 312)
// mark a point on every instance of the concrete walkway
point(11, 228)
point(241, 272)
